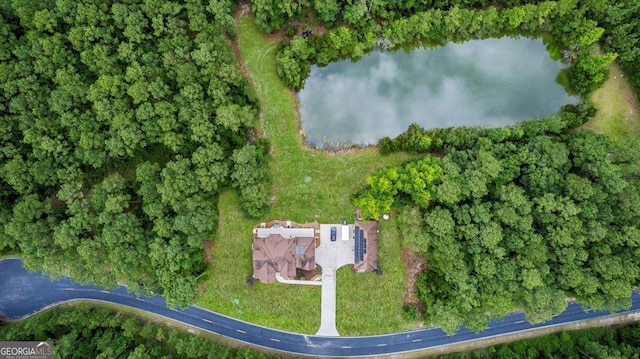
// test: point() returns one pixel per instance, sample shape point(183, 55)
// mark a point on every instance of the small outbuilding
point(365, 246)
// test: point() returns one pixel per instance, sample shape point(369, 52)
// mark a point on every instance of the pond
point(493, 83)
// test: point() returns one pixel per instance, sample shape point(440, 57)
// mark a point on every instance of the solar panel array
point(360, 245)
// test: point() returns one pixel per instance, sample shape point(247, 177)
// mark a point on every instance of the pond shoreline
point(346, 104)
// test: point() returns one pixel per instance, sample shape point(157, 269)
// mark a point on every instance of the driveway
point(331, 256)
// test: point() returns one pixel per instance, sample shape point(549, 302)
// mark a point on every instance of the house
point(284, 247)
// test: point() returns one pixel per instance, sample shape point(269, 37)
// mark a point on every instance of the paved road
point(23, 293)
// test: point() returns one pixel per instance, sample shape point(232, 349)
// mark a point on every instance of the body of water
point(493, 83)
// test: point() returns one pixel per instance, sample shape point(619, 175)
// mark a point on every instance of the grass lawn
point(618, 108)
point(309, 185)
point(368, 303)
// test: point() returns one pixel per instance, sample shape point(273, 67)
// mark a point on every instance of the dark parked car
point(333, 234)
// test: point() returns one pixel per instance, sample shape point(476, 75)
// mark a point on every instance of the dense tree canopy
point(272, 15)
point(416, 181)
point(621, 21)
point(95, 332)
point(619, 342)
point(521, 224)
point(121, 121)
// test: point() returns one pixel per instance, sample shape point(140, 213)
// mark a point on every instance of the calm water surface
point(493, 82)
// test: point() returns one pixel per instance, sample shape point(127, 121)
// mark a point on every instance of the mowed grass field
point(309, 185)
point(617, 108)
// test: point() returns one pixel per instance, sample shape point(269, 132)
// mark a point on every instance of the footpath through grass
point(617, 108)
point(309, 186)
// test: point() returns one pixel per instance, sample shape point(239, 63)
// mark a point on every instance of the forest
point(85, 331)
point(517, 224)
point(121, 121)
point(618, 342)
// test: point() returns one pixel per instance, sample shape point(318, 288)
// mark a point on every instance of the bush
point(590, 72)
point(418, 140)
point(410, 312)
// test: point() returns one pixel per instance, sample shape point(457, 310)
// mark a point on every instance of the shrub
point(410, 312)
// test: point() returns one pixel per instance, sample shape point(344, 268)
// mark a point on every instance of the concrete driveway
point(331, 256)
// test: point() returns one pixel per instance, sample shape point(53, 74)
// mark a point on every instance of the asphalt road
point(23, 293)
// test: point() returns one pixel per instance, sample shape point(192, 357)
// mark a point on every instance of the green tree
point(327, 10)
point(271, 15)
point(590, 72)
point(250, 175)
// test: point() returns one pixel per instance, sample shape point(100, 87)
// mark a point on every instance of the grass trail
point(617, 108)
point(309, 185)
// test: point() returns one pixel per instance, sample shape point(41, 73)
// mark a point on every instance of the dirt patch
point(308, 274)
point(295, 107)
point(208, 246)
point(317, 29)
point(237, 55)
point(310, 23)
point(242, 9)
point(278, 36)
point(239, 62)
point(208, 249)
point(414, 264)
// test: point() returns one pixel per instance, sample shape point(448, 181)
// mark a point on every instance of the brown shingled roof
point(370, 260)
point(276, 253)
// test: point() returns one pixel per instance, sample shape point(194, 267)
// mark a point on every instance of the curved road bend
point(23, 293)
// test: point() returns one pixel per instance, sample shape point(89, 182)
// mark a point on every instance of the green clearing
point(308, 186)
point(618, 108)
